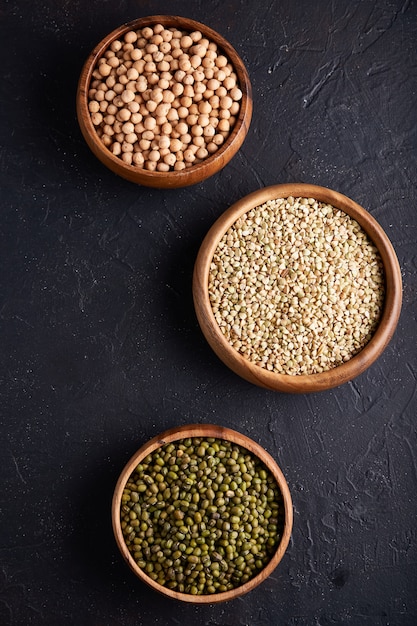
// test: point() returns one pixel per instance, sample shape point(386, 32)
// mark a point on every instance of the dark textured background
point(100, 348)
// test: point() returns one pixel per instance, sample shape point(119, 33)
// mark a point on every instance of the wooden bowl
point(218, 432)
point(172, 179)
point(298, 383)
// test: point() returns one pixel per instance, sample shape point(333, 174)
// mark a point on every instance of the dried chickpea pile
point(201, 515)
point(163, 99)
point(296, 286)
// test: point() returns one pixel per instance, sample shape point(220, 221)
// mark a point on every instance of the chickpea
point(138, 159)
point(108, 130)
point(226, 102)
point(209, 131)
point(116, 45)
point(133, 106)
point(182, 112)
point(213, 84)
point(93, 106)
point(170, 159)
point(177, 89)
point(186, 42)
point(163, 167)
point(104, 69)
point(151, 106)
point(168, 96)
point(203, 120)
point(149, 134)
point(224, 126)
point(136, 54)
point(127, 158)
point(97, 118)
point(158, 57)
point(189, 92)
point(131, 138)
point(186, 139)
point(202, 153)
point(99, 95)
point(184, 64)
point(205, 107)
point(117, 127)
point(212, 147)
point(236, 94)
point(172, 115)
point(144, 144)
point(196, 130)
point(106, 140)
point(176, 145)
point(189, 156)
point(130, 37)
point(166, 35)
point(199, 88)
point(153, 79)
point(147, 32)
point(221, 61)
point(139, 66)
point(154, 155)
point(195, 61)
point(127, 96)
point(195, 36)
point(218, 139)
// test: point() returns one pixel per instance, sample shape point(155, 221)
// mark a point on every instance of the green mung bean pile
point(201, 515)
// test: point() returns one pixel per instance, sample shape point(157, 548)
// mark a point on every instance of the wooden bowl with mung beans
point(297, 288)
point(202, 513)
point(164, 101)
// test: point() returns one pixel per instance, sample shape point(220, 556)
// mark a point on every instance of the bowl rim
point(300, 383)
point(219, 432)
point(179, 178)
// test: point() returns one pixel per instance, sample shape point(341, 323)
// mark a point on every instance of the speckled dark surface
point(100, 348)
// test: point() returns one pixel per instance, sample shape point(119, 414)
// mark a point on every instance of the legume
point(163, 99)
point(201, 515)
point(296, 286)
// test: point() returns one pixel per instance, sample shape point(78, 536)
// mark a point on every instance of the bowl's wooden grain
point(219, 432)
point(188, 176)
point(299, 383)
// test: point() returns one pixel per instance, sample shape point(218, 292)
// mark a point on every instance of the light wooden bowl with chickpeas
point(164, 101)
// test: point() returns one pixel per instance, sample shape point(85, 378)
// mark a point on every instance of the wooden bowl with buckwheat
point(297, 288)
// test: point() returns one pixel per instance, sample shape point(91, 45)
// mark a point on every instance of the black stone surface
point(100, 347)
